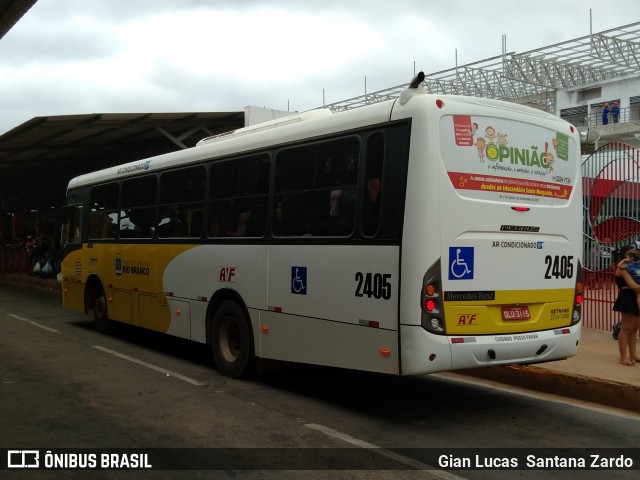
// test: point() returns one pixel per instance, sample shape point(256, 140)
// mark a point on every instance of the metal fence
point(611, 194)
point(14, 260)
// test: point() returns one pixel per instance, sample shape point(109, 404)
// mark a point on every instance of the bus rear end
point(501, 280)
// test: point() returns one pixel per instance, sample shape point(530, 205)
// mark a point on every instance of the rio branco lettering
point(135, 267)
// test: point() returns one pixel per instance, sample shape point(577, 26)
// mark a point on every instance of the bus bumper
point(462, 352)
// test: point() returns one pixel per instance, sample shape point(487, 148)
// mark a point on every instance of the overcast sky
point(94, 56)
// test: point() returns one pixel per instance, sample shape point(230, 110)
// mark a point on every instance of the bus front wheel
point(101, 315)
point(231, 341)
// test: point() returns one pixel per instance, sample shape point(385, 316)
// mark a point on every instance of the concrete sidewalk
point(594, 374)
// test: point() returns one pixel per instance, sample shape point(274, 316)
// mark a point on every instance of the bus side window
point(373, 185)
point(135, 223)
point(101, 226)
point(173, 222)
point(138, 213)
point(252, 197)
point(103, 221)
point(238, 198)
point(295, 170)
point(182, 194)
point(316, 189)
point(341, 176)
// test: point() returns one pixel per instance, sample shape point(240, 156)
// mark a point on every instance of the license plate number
point(516, 312)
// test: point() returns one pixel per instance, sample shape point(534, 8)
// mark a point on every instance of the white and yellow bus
point(416, 235)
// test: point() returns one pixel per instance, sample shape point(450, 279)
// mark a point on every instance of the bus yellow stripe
point(547, 309)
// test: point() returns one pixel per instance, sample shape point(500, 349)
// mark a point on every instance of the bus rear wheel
point(231, 341)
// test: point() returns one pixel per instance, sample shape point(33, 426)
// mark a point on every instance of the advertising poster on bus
point(503, 160)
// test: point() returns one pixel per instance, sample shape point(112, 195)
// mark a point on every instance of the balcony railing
point(595, 118)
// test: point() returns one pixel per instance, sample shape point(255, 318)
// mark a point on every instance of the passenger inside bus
point(173, 223)
point(371, 208)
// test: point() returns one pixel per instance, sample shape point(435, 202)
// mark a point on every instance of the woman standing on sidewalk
point(627, 304)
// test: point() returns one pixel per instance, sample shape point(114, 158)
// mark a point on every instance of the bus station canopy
point(39, 157)
point(11, 11)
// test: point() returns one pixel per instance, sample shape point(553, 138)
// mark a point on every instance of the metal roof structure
point(39, 157)
point(531, 77)
point(11, 11)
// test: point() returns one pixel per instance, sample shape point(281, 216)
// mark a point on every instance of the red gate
point(611, 194)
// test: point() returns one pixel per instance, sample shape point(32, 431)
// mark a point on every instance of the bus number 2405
point(376, 285)
point(559, 266)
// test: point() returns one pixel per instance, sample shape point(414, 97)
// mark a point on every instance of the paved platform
point(594, 374)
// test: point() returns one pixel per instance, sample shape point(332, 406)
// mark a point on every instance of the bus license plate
point(517, 312)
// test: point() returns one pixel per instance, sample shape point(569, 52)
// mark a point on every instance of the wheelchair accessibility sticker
point(461, 263)
point(299, 280)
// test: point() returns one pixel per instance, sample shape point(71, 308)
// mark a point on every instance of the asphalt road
point(63, 385)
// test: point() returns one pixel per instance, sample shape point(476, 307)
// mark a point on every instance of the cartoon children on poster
point(493, 145)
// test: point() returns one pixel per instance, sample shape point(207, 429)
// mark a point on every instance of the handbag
point(616, 331)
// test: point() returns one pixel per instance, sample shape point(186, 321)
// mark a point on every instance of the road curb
point(604, 392)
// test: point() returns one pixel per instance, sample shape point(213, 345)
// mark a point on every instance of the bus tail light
point(431, 301)
point(578, 296)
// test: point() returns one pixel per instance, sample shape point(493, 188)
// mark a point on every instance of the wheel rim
point(230, 339)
